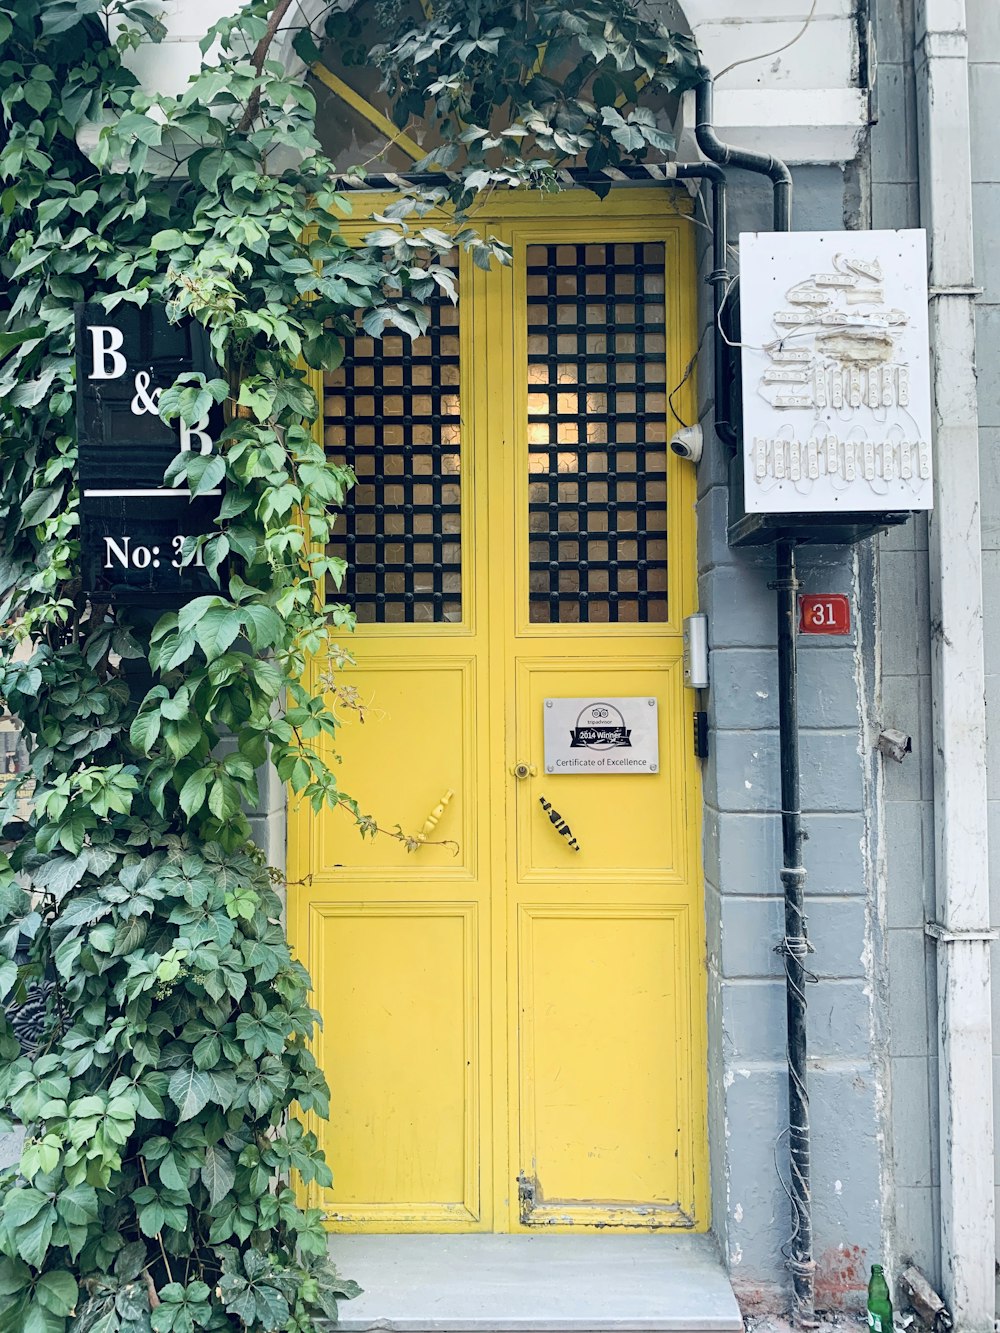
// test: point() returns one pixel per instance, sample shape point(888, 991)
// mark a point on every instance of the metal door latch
point(433, 819)
point(526, 1190)
point(559, 824)
point(523, 770)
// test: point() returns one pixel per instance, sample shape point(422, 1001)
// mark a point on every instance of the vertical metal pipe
point(795, 945)
point(963, 855)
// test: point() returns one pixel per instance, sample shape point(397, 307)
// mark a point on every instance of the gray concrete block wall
point(268, 815)
point(903, 959)
point(748, 1090)
point(268, 821)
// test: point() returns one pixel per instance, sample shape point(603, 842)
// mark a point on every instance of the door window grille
point(597, 442)
point(392, 414)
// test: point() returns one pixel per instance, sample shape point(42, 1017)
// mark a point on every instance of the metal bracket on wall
point(945, 936)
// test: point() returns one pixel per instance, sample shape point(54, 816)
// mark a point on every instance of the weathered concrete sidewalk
point(536, 1284)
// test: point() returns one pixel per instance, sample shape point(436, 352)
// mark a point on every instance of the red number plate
point(824, 613)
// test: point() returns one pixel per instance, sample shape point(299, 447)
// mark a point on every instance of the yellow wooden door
point(514, 1012)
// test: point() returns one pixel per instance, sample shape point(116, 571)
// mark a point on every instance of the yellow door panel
point(399, 943)
point(629, 826)
point(601, 1124)
point(424, 709)
point(404, 1115)
point(514, 1029)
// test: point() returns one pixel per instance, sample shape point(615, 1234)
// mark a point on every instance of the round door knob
point(522, 771)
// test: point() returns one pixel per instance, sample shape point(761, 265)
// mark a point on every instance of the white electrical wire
point(718, 321)
point(749, 60)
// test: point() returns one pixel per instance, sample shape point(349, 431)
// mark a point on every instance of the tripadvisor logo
point(600, 726)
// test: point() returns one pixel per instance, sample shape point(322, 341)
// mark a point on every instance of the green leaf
point(39, 1320)
point(14, 1276)
point(60, 874)
point(67, 954)
point(183, 735)
point(178, 707)
point(150, 1104)
point(16, 338)
point(171, 1173)
point(38, 95)
point(145, 728)
point(59, 15)
point(57, 1292)
point(205, 472)
point(210, 168)
point(152, 1218)
point(32, 1235)
point(223, 798)
point(8, 976)
point(145, 129)
point(259, 401)
point(218, 1173)
point(264, 626)
point(40, 505)
point(294, 395)
point(223, 1085)
point(324, 352)
point(170, 239)
point(77, 1205)
point(129, 935)
point(192, 794)
point(151, 24)
point(215, 553)
point(272, 1308)
point(22, 1205)
point(82, 911)
point(190, 1090)
point(130, 1262)
point(215, 631)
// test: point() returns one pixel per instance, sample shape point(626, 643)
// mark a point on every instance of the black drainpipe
point(795, 945)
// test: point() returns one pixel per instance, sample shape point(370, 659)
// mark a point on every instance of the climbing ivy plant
point(155, 1188)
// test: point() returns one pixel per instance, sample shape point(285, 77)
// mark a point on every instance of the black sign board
point(132, 525)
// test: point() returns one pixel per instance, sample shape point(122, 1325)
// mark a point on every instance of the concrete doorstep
point(536, 1284)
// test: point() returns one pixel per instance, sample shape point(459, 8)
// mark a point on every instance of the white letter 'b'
point(197, 432)
point(107, 339)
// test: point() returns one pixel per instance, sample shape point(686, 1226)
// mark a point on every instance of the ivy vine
point(156, 1185)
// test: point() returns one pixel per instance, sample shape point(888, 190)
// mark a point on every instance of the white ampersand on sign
point(144, 401)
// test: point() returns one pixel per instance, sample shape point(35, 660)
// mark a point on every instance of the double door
point(511, 973)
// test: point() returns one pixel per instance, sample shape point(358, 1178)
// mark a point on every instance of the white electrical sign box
point(836, 371)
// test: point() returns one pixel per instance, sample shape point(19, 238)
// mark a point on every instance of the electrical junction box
point(835, 378)
point(696, 651)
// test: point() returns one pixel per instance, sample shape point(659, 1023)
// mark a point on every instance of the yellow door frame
point(496, 306)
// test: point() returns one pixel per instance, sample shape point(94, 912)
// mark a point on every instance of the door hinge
point(526, 1187)
point(700, 734)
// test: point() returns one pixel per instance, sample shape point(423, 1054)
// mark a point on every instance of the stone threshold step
point(535, 1284)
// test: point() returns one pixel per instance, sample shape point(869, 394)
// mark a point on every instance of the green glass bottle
point(879, 1304)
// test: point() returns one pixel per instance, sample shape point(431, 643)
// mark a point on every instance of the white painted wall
point(801, 103)
point(165, 67)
